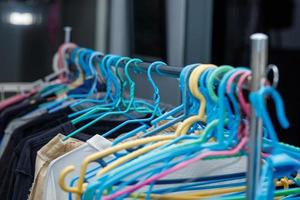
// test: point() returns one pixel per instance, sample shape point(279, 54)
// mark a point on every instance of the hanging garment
point(49, 152)
point(50, 188)
point(17, 123)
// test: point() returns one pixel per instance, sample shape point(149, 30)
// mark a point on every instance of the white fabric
point(52, 190)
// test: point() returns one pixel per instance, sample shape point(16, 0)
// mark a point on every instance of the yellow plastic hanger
point(160, 139)
point(185, 126)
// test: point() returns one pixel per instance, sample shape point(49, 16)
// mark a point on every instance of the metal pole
point(67, 30)
point(259, 57)
point(170, 70)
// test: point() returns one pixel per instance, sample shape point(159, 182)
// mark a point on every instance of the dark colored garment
point(9, 178)
point(20, 169)
point(43, 122)
point(18, 161)
point(18, 110)
point(23, 174)
point(10, 157)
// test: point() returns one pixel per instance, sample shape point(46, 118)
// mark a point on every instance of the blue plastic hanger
point(190, 151)
point(93, 79)
point(143, 162)
point(160, 154)
point(156, 100)
point(186, 97)
point(224, 108)
point(116, 104)
point(257, 100)
point(189, 104)
point(131, 96)
point(183, 110)
point(56, 103)
point(278, 160)
point(108, 102)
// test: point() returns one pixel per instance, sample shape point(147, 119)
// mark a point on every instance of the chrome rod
point(67, 30)
point(259, 57)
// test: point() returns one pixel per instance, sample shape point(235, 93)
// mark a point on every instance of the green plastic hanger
point(214, 77)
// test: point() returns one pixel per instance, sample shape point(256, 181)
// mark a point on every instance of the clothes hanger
point(155, 98)
point(79, 189)
point(188, 106)
point(211, 106)
point(116, 105)
point(137, 103)
point(184, 127)
point(177, 167)
point(60, 68)
point(203, 180)
point(196, 82)
point(213, 78)
point(222, 101)
point(184, 106)
point(257, 100)
point(90, 73)
point(108, 102)
point(64, 87)
point(131, 96)
point(56, 87)
point(93, 79)
point(59, 65)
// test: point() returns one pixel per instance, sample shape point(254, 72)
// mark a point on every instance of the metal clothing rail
point(259, 57)
point(165, 69)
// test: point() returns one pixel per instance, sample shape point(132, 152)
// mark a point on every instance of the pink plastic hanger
point(61, 58)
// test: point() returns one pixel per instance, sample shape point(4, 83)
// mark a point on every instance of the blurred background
point(179, 32)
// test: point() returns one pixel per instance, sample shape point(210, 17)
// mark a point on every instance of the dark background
point(26, 52)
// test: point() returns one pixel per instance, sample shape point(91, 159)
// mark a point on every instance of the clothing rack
point(259, 56)
point(258, 63)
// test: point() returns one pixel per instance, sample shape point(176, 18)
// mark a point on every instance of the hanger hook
point(156, 95)
point(275, 72)
point(91, 59)
point(155, 64)
point(131, 82)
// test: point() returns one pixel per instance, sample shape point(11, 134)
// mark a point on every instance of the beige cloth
point(52, 150)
